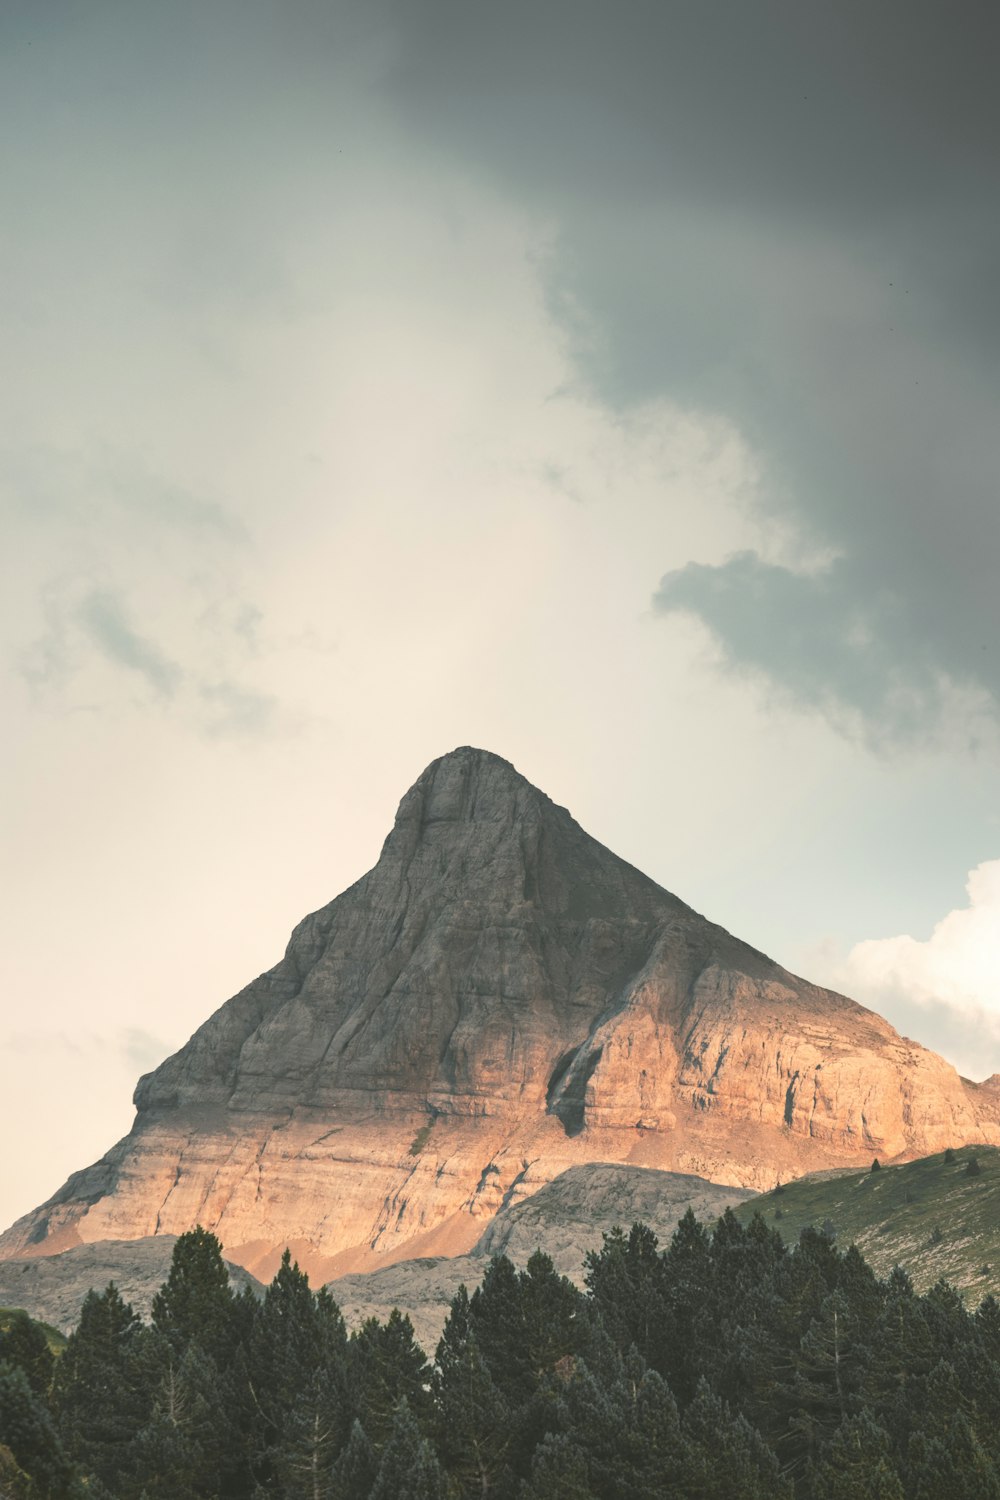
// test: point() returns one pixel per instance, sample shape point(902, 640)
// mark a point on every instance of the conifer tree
point(186, 1447)
point(856, 1464)
point(953, 1464)
point(626, 1281)
point(194, 1305)
point(408, 1469)
point(102, 1389)
point(987, 1319)
point(826, 1373)
point(689, 1278)
point(296, 1374)
point(23, 1343)
point(15, 1484)
point(355, 1470)
point(558, 1471)
point(728, 1457)
point(386, 1366)
point(497, 1315)
point(472, 1422)
point(28, 1434)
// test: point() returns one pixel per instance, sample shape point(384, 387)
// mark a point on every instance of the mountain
point(499, 999)
point(934, 1217)
point(51, 1288)
point(566, 1218)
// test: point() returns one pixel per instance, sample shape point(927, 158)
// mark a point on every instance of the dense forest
point(727, 1367)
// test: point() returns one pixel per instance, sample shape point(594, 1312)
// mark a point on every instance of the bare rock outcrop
point(499, 999)
point(52, 1287)
point(566, 1218)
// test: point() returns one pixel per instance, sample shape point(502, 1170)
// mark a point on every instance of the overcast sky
point(611, 386)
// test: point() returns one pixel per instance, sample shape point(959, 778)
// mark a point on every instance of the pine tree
point(626, 1282)
point(186, 1447)
point(102, 1389)
point(856, 1464)
point(15, 1484)
point(558, 1471)
point(355, 1470)
point(296, 1380)
point(987, 1318)
point(386, 1366)
point(28, 1434)
point(472, 1422)
point(826, 1375)
point(23, 1343)
point(952, 1464)
point(195, 1303)
point(689, 1278)
point(654, 1449)
point(409, 1469)
point(728, 1457)
point(554, 1317)
point(497, 1315)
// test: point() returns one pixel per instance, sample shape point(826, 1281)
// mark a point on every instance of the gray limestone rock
point(52, 1287)
point(565, 1219)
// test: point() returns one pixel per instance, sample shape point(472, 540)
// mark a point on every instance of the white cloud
point(948, 986)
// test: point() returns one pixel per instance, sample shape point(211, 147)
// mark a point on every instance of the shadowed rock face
point(499, 999)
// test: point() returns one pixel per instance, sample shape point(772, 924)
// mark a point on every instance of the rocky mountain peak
point(500, 998)
point(467, 786)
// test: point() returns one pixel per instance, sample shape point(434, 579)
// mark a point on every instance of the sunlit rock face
point(499, 999)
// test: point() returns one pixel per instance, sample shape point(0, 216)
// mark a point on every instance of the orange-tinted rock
point(499, 999)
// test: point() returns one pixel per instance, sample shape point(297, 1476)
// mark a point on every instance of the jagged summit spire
point(499, 996)
point(469, 785)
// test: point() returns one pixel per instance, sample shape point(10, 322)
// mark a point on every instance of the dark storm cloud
point(789, 214)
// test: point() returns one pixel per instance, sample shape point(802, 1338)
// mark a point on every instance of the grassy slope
point(928, 1216)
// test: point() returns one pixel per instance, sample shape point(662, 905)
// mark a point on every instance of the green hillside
point(55, 1340)
point(931, 1216)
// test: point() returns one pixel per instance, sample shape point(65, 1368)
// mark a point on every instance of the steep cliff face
point(499, 999)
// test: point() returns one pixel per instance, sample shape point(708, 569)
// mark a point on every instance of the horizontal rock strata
point(499, 999)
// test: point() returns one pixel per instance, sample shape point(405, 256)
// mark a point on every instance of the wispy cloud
point(138, 1047)
point(234, 710)
point(104, 620)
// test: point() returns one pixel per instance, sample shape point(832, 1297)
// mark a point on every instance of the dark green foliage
point(183, 1451)
point(195, 1302)
point(972, 1167)
point(29, 1436)
point(354, 1472)
point(296, 1408)
point(558, 1471)
point(23, 1343)
point(876, 1165)
point(627, 1282)
point(728, 1365)
point(409, 1469)
point(472, 1421)
point(386, 1366)
point(856, 1464)
point(103, 1386)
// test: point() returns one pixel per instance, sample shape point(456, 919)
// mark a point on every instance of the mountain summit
point(500, 998)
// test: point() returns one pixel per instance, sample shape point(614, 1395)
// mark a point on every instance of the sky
point(614, 387)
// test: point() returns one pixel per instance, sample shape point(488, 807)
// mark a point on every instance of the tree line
point(725, 1367)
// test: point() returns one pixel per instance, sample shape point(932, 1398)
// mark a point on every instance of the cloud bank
point(789, 217)
point(948, 985)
